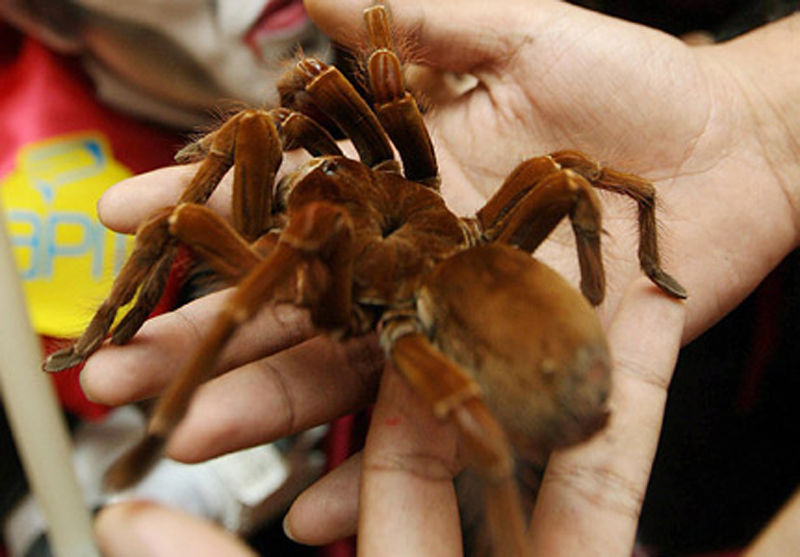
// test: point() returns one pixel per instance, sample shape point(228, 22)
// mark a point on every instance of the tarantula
point(496, 341)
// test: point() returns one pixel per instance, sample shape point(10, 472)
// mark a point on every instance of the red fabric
point(345, 438)
point(338, 447)
point(43, 95)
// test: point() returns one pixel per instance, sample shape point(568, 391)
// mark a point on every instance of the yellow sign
point(67, 259)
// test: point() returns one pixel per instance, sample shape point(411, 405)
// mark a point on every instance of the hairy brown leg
point(531, 203)
point(257, 155)
point(298, 130)
point(152, 241)
point(317, 238)
point(395, 107)
point(257, 150)
point(213, 240)
point(311, 81)
point(251, 141)
point(146, 300)
point(453, 395)
point(153, 245)
point(644, 194)
point(148, 264)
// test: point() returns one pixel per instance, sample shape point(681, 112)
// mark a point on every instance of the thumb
point(136, 528)
point(427, 32)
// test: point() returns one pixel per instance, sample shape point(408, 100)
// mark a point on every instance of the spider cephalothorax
point(365, 247)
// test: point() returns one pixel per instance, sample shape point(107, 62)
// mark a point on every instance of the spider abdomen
point(530, 339)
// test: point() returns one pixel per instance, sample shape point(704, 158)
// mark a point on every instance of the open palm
point(551, 76)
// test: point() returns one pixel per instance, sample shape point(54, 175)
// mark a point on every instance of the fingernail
point(287, 529)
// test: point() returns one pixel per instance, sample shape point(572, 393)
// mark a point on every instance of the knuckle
point(638, 369)
point(599, 486)
point(424, 466)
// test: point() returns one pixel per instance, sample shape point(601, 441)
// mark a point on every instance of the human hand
point(550, 77)
point(589, 499)
point(553, 76)
point(145, 529)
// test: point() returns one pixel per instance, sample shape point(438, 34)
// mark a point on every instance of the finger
point(433, 35)
point(299, 388)
point(140, 369)
point(137, 528)
point(781, 536)
point(126, 204)
point(591, 495)
point(407, 502)
point(328, 510)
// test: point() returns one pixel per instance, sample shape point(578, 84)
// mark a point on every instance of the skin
point(716, 128)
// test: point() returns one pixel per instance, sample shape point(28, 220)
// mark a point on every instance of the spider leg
point(250, 141)
point(152, 241)
point(644, 194)
point(257, 154)
point(531, 203)
point(395, 107)
point(455, 396)
point(213, 240)
point(301, 131)
point(317, 240)
point(146, 300)
point(314, 87)
point(255, 147)
point(297, 130)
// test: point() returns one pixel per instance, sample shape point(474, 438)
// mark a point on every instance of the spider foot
point(666, 283)
point(62, 359)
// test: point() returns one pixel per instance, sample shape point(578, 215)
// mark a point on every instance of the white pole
point(36, 420)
